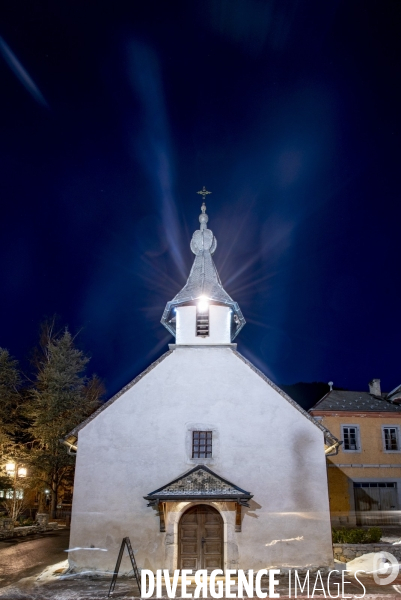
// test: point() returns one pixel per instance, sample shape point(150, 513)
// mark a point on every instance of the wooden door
point(200, 535)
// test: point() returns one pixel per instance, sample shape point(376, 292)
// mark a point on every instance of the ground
point(27, 557)
point(35, 568)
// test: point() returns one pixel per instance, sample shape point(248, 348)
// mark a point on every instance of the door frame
point(189, 508)
point(174, 513)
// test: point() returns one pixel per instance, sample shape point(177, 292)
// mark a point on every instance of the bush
point(357, 536)
point(25, 522)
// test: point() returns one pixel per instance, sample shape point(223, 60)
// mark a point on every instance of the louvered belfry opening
point(202, 322)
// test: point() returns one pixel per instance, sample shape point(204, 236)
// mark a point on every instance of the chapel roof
point(73, 434)
point(203, 280)
point(343, 400)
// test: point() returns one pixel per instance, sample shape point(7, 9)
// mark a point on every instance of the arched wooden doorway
point(200, 539)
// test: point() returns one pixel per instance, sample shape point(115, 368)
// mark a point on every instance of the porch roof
point(199, 483)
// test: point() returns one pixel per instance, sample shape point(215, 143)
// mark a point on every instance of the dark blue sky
point(113, 114)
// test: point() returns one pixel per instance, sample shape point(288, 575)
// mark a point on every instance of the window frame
point(397, 428)
point(191, 426)
point(357, 438)
point(196, 433)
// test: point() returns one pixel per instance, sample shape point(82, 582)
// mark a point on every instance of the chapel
point(201, 460)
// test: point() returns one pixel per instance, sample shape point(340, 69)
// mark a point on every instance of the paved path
point(26, 557)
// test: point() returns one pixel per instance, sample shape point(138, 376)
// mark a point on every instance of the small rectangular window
point(375, 485)
point(350, 438)
point(391, 439)
point(201, 444)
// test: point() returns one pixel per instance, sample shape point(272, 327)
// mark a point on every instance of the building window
point(201, 444)
point(391, 439)
point(350, 435)
point(9, 494)
point(380, 484)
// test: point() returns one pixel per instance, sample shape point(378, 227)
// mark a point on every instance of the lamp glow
point(10, 468)
point(22, 472)
point(203, 304)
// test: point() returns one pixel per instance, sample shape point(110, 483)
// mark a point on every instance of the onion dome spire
point(203, 281)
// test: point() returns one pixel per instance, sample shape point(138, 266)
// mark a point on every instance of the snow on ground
point(55, 583)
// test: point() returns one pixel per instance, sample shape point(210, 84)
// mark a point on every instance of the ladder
point(125, 542)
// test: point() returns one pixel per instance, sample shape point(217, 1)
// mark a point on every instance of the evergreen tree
point(61, 397)
point(10, 404)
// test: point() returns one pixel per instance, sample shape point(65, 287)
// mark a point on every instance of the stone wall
point(23, 531)
point(347, 552)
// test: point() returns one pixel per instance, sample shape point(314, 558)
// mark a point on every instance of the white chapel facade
point(201, 460)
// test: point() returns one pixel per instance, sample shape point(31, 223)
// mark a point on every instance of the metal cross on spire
point(203, 193)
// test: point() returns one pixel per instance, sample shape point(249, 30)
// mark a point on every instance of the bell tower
point(202, 313)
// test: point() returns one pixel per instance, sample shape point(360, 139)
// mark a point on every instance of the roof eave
point(165, 320)
point(74, 432)
point(194, 497)
point(324, 429)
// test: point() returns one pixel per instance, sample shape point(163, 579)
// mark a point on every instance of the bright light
point(10, 468)
point(47, 491)
point(21, 472)
point(203, 304)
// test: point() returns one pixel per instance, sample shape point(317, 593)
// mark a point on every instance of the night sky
point(113, 116)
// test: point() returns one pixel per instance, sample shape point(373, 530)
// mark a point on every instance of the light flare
point(203, 304)
point(19, 71)
point(154, 149)
point(295, 539)
point(78, 548)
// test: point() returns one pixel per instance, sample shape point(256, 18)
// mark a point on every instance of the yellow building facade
point(364, 476)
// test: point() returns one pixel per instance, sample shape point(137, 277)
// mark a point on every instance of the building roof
point(327, 434)
point(73, 434)
point(339, 400)
point(199, 483)
point(203, 280)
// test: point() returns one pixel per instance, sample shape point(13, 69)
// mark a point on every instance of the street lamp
point(10, 469)
point(15, 472)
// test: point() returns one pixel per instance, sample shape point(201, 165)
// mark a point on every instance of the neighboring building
point(201, 460)
point(365, 476)
point(28, 497)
